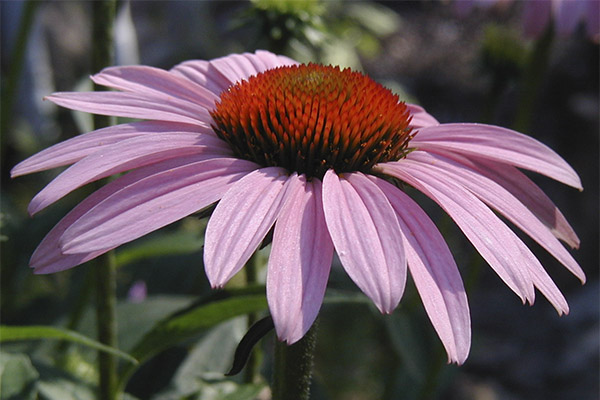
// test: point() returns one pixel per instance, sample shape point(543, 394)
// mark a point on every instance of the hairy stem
point(293, 368)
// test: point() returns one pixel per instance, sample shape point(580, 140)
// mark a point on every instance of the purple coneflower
point(314, 152)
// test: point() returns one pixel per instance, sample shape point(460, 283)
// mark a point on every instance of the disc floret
point(311, 118)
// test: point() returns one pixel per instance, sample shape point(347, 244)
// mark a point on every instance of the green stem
point(102, 55)
point(106, 324)
point(252, 371)
point(11, 84)
point(532, 79)
point(293, 368)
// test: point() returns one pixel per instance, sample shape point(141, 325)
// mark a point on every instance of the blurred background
point(466, 61)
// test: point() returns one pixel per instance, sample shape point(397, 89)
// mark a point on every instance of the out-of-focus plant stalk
point(105, 270)
point(535, 70)
point(11, 84)
point(252, 371)
point(292, 371)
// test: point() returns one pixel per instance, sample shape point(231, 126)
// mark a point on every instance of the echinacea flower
point(315, 153)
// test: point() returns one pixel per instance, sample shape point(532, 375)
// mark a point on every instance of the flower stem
point(105, 270)
point(293, 367)
point(106, 325)
point(251, 373)
point(535, 71)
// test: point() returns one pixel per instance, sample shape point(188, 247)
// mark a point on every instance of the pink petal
point(567, 15)
point(217, 75)
point(125, 155)
point(498, 144)
point(203, 74)
point(497, 197)
point(133, 105)
point(536, 17)
point(151, 81)
point(300, 260)
point(367, 236)
point(240, 222)
point(264, 60)
point(419, 117)
point(136, 208)
point(434, 272)
point(496, 243)
point(592, 22)
point(527, 192)
point(237, 67)
point(74, 149)
point(48, 257)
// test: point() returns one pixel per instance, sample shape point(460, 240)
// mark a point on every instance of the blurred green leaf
point(180, 242)
point(19, 333)
point(198, 317)
point(17, 377)
point(377, 18)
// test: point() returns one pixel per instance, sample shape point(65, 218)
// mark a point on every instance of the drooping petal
point(152, 81)
point(434, 272)
point(125, 155)
point(419, 117)
point(528, 193)
point(367, 236)
point(74, 149)
point(133, 105)
point(300, 260)
point(499, 144)
point(500, 199)
point(144, 205)
point(496, 243)
point(240, 222)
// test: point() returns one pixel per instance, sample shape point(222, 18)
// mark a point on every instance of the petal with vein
point(126, 155)
point(434, 272)
point(531, 195)
point(78, 147)
point(201, 73)
point(367, 236)
point(496, 243)
point(300, 260)
point(241, 220)
point(500, 199)
point(133, 105)
point(152, 81)
point(142, 206)
point(499, 144)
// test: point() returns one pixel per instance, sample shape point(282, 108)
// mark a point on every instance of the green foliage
point(18, 333)
point(199, 317)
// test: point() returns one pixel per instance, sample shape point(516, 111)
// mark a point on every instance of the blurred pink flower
point(566, 15)
point(537, 15)
point(314, 152)
point(138, 292)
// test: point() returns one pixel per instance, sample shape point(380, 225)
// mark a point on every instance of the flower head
point(311, 152)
